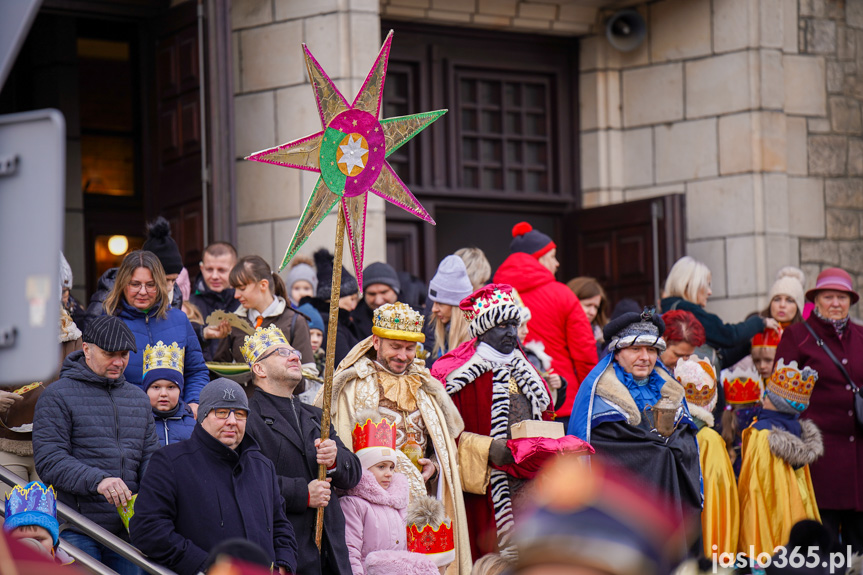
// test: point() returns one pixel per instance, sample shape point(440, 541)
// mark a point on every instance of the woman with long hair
point(142, 299)
point(447, 288)
point(594, 302)
point(688, 287)
point(263, 302)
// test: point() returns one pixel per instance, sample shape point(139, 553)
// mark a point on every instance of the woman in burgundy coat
point(838, 475)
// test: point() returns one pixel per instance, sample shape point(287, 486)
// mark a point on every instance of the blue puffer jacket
point(175, 425)
point(87, 428)
point(149, 329)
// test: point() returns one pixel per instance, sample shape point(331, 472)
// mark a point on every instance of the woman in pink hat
point(838, 475)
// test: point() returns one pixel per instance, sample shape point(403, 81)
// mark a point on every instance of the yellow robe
point(720, 518)
point(773, 495)
point(355, 388)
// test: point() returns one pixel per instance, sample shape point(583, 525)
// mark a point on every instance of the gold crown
point(255, 345)
point(398, 321)
point(791, 383)
point(698, 379)
point(161, 356)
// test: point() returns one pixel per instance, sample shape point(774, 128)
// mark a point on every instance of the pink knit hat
point(835, 279)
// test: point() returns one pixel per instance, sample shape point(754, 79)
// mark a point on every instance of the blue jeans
point(98, 551)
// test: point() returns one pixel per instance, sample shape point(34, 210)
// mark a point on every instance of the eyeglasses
point(224, 413)
point(136, 286)
point(283, 352)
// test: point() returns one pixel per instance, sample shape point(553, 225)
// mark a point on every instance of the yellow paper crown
point(792, 383)
point(398, 321)
point(161, 356)
point(255, 345)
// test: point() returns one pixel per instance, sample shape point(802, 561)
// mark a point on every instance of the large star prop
point(350, 154)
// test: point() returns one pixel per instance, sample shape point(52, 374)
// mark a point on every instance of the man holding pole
point(288, 432)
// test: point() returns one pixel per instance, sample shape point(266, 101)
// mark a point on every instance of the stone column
point(274, 104)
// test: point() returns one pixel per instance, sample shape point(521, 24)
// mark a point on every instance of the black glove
point(499, 454)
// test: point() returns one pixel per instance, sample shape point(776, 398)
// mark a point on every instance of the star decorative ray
point(350, 154)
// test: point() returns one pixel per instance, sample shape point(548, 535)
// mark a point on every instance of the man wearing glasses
point(216, 485)
point(289, 432)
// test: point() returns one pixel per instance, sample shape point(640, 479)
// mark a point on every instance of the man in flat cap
point(632, 410)
point(93, 435)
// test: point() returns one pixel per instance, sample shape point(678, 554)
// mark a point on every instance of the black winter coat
point(208, 301)
point(87, 428)
point(198, 493)
point(296, 465)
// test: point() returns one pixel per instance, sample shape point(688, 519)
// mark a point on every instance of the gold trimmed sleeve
point(473, 462)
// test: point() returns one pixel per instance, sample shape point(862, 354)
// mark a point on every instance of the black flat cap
point(110, 333)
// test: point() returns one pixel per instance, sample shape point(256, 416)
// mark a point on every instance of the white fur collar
point(369, 489)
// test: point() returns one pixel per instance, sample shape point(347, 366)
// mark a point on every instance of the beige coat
point(355, 388)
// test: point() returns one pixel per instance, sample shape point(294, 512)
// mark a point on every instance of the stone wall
point(748, 107)
point(832, 32)
point(274, 104)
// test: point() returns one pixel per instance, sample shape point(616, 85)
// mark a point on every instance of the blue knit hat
point(527, 240)
point(33, 504)
point(315, 319)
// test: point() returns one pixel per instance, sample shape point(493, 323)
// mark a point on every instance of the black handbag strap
point(829, 351)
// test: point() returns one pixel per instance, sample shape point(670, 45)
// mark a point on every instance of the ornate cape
point(355, 388)
point(775, 486)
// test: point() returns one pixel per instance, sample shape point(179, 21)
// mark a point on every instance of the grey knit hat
point(381, 273)
point(221, 393)
point(450, 284)
point(302, 272)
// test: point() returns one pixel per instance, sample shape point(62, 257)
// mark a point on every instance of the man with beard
point(288, 432)
point(382, 373)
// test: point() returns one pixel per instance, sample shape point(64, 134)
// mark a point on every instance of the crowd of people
point(186, 418)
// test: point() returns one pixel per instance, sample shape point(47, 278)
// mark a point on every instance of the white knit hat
point(789, 281)
point(450, 284)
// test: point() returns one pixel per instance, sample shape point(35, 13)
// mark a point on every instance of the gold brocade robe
point(720, 518)
point(773, 495)
point(355, 388)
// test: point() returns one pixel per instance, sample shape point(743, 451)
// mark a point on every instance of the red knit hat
point(834, 279)
point(527, 240)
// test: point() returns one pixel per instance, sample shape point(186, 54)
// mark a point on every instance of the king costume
point(609, 413)
point(775, 484)
point(492, 389)
point(426, 420)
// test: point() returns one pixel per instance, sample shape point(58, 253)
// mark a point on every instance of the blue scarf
point(767, 419)
point(645, 391)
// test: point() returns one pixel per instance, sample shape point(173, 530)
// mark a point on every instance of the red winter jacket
point(557, 320)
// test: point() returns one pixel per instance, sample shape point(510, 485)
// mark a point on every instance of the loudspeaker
point(626, 30)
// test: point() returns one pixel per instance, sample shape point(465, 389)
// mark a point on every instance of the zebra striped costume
point(531, 385)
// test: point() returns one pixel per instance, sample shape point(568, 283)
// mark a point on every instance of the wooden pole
point(331, 354)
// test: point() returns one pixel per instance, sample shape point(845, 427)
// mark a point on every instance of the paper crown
point(398, 321)
point(791, 383)
point(742, 386)
point(698, 379)
point(161, 356)
point(374, 441)
point(436, 543)
point(767, 338)
point(489, 306)
point(255, 345)
point(33, 504)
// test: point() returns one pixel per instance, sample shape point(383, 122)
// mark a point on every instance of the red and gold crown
point(767, 338)
point(742, 386)
point(698, 379)
point(793, 384)
point(374, 434)
point(437, 543)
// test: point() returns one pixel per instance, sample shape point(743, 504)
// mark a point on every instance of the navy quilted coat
point(87, 428)
point(149, 329)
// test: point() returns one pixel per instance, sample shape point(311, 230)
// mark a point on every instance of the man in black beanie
point(380, 286)
point(347, 335)
point(94, 433)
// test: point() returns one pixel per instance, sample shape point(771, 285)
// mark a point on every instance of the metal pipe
point(85, 561)
point(205, 172)
point(94, 531)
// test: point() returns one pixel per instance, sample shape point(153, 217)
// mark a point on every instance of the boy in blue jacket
point(163, 382)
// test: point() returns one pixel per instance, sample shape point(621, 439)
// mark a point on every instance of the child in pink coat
point(375, 509)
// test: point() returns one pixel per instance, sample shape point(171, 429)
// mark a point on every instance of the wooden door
point(629, 247)
point(177, 192)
